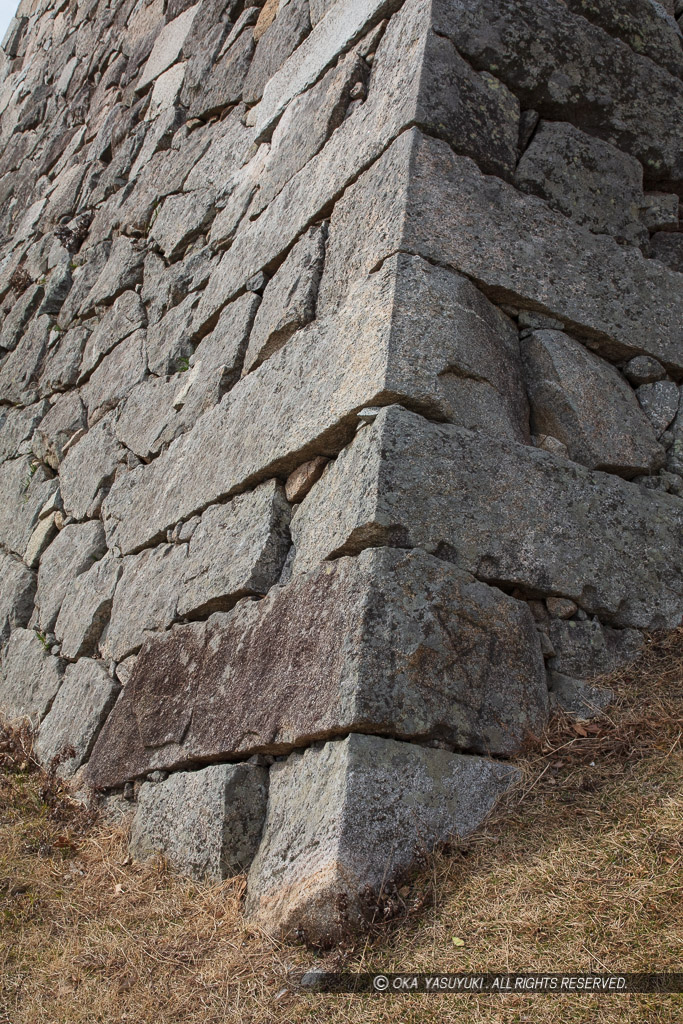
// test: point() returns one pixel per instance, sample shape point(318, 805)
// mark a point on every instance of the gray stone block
point(347, 821)
point(400, 644)
point(507, 513)
point(577, 697)
point(73, 551)
point(582, 401)
point(17, 591)
point(29, 677)
point(308, 393)
point(206, 823)
point(25, 488)
point(86, 607)
point(587, 649)
point(88, 469)
point(69, 730)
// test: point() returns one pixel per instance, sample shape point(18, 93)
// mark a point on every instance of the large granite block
point(29, 677)
point(207, 824)
point(308, 393)
point(421, 198)
point(17, 591)
point(395, 643)
point(346, 822)
point(507, 513)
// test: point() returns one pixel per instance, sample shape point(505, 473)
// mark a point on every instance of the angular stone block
point(25, 489)
point(115, 377)
point(660, 402)
point(347, 821)
point(17, 591)
point(17, 427)
point(571, 70)
point(288, 300)
point(126, 316)
point(644, 24)
point(507, 513)
point(393, 643)
point(167, 47)
point(290, 26)
point(587, 179)
point(73, 551)
point(421, 198)
point(586, 404)
point(577, 697)
point(584, 650)
point(88, 469)
point(29, 677)
point(86, 607)
point(237, 549)
point(206, 823)
point(69, 730)
point(308, 393)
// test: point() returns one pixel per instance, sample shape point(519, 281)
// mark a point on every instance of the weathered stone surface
point(121, 272)
point(643, 24)
point(125, 316)
point(505, 512)
point(60, 369)
point(14, 324)
point(346, 22)
point(88, 469)
point(452, 214)
point(169, 341)
point(578, 73)
point(57, 428)
point(290, 26)
point(25, 488)
point(207, 823)
point(586, 404)
point(167, 47)
point(308, 393)
point(660, 403)
point(289, 299)
point(394, 100)
point(40, 539)
point(585, 178)
point(302, 479)
point(208, 90)
point(667, 248)
point(587, 649)
point(116, 376)
point(227, 343)
point(644, 370)
point(17, 427)
point(72, 552)
point(29, 677)
point(577, 697)
point(20, 372)
point(346, 821)
point(236, 550)
point(17, 591)
point(86, 608)
point(181, 219)
point(166, 90)
point(392, 643)
point(69, 730)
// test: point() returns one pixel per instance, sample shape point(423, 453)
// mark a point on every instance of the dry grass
point(581, 869)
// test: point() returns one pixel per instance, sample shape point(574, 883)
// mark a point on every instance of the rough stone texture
point(585, 178)
point(578, 73)
point(308, 393)
point(207, 823)
point(505, 512)
point(302, 479)
point(65, 418)
point(398, 644)
point(235, 550)
point(586, 404)
point(25, 489)
point(72, 552)
point(17, 592)
point(646, 26)
point(29, 677)
point(88, 469)
point(660, 403)
point(518, 249)
point(587, 649)
point(68, 732)
point(167, 47)
point(86, 608)
point(288, 300)
point(346, 821)
point(578, 698)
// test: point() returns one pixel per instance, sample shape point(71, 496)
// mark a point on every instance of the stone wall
point(340, 441)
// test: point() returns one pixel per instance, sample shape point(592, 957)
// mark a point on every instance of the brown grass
point(580, 869)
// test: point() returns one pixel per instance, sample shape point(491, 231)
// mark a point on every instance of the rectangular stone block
point(508, 513)
point(346, 821)
point(395, 643)
point(308, 393)
point(207, 824)
point(514, 246)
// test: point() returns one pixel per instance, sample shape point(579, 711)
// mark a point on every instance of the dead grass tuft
point(579, 869)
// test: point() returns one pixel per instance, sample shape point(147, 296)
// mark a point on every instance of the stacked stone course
point(341, 433)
